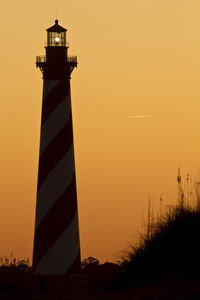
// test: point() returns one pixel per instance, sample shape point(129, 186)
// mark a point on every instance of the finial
point(56, 21)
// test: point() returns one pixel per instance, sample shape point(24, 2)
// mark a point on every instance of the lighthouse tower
point(56, 240)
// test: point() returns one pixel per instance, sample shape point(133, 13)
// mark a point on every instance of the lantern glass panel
point(56, 39)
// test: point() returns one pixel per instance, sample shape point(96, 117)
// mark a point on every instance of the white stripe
point(55, 123)
point(54, 185)
point(48, 86)
point(62, 254)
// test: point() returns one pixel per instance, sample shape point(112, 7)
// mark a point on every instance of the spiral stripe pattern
point(56, 240)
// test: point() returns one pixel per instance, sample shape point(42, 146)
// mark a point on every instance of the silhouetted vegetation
point(100, 275)
point(11, 270)
point(10, 265)
point(169, 247)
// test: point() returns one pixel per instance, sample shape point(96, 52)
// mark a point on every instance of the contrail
point(138, 116)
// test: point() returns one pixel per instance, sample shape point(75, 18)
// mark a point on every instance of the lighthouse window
point(56, 39)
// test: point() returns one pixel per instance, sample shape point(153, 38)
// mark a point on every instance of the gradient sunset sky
point(136, 113)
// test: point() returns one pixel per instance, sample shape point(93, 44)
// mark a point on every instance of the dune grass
point(169, 247)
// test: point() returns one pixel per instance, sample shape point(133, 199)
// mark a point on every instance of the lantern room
point(56, 46)
point(56, 36)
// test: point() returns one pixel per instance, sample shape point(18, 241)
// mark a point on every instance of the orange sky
point(136, 57)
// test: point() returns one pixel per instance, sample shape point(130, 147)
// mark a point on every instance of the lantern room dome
point(56, 28)
point(56, 36)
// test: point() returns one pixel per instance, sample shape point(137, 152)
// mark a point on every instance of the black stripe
point(56, 149)
point(76, 266)
point(54, 98)
point(55, 222)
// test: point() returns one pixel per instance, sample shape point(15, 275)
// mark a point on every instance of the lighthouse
point(56, 248)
